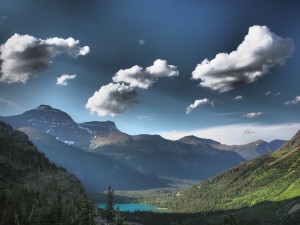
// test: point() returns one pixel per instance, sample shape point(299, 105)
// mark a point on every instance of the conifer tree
point(109, 210)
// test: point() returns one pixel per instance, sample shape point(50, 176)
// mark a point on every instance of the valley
point(101, 155)
point(148, 169)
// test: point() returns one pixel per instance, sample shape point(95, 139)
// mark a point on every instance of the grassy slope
point(273, 177)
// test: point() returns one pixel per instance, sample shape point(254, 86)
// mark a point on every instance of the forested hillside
point(35, 191)
point(273, 177)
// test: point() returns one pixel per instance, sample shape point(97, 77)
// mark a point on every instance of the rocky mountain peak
point(45, 107)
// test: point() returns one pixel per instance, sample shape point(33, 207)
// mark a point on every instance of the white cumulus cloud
point(23, 55)
point(295, 101)
point(239, 97)
point(197, 103)
point(136, 76)
point(63, 79)
point(112, 99)
point(255, 56)
point(252, 114)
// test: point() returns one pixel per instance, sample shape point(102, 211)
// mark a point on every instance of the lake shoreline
point(134, 207)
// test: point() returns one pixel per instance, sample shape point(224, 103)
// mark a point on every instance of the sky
point(226, 70)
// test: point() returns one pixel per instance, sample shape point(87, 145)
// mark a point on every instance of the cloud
point(255, 56)
point(252, 114)
point(234, 134)
point(198, 102)
point(237, 98)
point(277, 94)
point(142, 42)
point(112, 99)
point(136, 76)
point(248, 132)
point(10, 103)
point(23, 56)
point(295, 101)
point(63, 79)
point(268, 93)
point(145, 118)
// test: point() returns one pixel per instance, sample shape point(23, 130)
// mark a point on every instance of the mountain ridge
point(248, 151)
point(143, 156)
point(97, 134)
point(272, 177)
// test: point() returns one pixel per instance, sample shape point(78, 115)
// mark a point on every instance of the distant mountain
point(125, 161)
point(33, 190)
point(95, 171)
point(198, 141)
point(247, 151)
point(156, 155)
point(253, 149)
point(274, 177)
point(54, 122)
point(60, 125)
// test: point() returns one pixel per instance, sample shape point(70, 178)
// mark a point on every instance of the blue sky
point(124, 34)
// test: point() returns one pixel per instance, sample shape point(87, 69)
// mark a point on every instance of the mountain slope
point(52, 121)
point(247, 151)
point(272, 177)
point(60, 125)
point(253, 149)
point(138, 156)
point(32, 189)
point(95, 171)
point(198, 141)
point(156, 155)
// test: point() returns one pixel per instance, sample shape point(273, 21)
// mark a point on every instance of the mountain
point(274, 177)
point(100, 154)
point(32, 189)
point(198, 141)
point(54, 122)
point(156, 155)
point(253, 149)
point(247, 151)
point(95, 171)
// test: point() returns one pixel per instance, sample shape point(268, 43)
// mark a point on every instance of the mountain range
point(99, 154)
point(247, 151)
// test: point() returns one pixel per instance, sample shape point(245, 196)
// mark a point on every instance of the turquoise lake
point(132, 207)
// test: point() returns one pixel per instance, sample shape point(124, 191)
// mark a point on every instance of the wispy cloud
point(239, 97)
point(252, 114)
point(197, 103)
point(142, 42)
point(248, 132)
point(145, 118)
point(23, 56)
point(268, 93)
point(255, 56)
point(11, 103)
point(295, 101)
point(63, 79)
point(235, 133)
